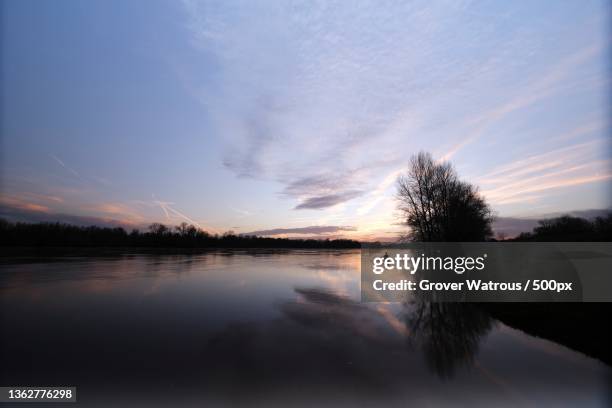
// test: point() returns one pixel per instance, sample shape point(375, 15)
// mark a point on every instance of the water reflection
point(448, 333)
point(269, 328)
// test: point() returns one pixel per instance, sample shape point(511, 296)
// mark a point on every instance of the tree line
point(570, 229)
point(156, 236)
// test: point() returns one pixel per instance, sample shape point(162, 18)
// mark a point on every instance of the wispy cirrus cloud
point(315, 96)
point(525, 180)
point(538, 88)
point(21, 203)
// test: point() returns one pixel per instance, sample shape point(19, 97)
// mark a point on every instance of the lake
point(265, 328)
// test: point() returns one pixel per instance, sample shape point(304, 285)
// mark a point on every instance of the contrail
point(167, 209)
point(61, 163)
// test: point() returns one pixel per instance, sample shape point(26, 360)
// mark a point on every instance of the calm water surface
point(265, 328)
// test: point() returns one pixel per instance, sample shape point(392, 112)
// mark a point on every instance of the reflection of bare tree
point(323, 337)
point(449, 333)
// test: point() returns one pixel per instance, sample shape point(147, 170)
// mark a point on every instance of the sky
point(295, 118)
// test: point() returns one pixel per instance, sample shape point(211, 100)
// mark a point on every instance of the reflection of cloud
point(397, 325)
point(500, 381)
point(223, 347)
point(314, 230)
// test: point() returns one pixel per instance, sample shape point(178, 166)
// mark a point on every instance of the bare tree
point(182, 228)
point(158, 229)
point(437, 206)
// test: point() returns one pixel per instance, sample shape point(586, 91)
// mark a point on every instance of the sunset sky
point(276, 117)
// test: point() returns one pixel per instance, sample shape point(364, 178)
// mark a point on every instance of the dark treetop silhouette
point(437, 206)
point(158, 236)
point(571, 229)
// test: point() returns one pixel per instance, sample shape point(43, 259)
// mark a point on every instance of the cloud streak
point(537, 89)
point(525, 180)
point(62, 164)
point(312, 230)
point(172, 213)
point(329, 200)
point(327, 100)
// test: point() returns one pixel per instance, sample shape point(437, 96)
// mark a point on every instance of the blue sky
point(264, 116)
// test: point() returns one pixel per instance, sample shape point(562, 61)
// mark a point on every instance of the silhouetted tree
point(158, 229)
point(437, 206)
point(182, 228)
point(568, 228)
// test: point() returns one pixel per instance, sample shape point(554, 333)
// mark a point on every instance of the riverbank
point(582, 327)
